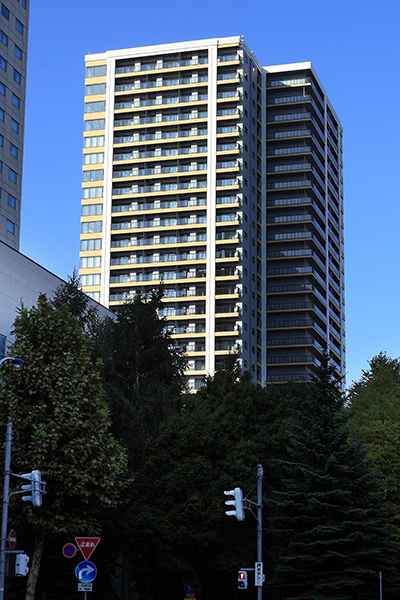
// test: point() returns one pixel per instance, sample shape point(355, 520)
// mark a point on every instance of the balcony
point(160, 153)
point(137, 103)
point(145, 85)
point(160, 171)
point(138, 68)
point(159, 223)
point(160, 119)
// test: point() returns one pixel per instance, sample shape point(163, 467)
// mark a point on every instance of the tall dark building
point(14, 19)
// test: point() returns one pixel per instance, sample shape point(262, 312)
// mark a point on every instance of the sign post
point(87, 545)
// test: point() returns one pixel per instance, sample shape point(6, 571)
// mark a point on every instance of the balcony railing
point(158, 205)
point(137, 260)
point(160, 119)
point(165, 152)
point(160, 170)
point(163, 135)
point(144, 85)
point(159, 223)
point(137, 103)
point(162, 65)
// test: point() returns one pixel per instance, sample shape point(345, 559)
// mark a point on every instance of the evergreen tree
point(61, 427)
point(78, 303)
point(181, 532)
point(143, 372)
point(375, 416)
point(327, 510)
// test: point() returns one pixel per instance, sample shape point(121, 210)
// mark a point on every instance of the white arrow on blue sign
point(85, 571)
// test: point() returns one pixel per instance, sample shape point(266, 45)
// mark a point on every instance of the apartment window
point(12, 176)
point(1, 167)
point(93, 159)
point(19, 27)
point(93, 141)
point(4, 38)
point(23, 2)
point(1, 141)
point(93, 192)
point(94, 124)
point(2, 89)
point(14, 125)
point(91, 227)
point(18, 52)
point(91, 107)
point(95, 88)
point(17, 76)
point(10, 227)
point(94, 244)
point(92, 209)
point(3, 63)
point(90, 262)
point(16, 101)
point(99, 71)
point(13, 150)
point(95, 175)
point(5, 12)
point(12, 201)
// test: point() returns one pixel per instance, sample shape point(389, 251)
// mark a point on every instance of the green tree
point(375, 416)
point(327, 509)
point(143, 372)
point(78, 303)
point(181, 532)
point(61, 426)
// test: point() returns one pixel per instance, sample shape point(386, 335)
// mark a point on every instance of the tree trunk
point(35, 565)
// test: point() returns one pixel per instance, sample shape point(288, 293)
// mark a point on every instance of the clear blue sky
point(354, 46)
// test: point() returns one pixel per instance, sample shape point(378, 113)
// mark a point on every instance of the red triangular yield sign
point(87, 545)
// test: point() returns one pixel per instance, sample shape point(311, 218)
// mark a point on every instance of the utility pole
point(4, 516)
point(17, 362)
point(260, 472)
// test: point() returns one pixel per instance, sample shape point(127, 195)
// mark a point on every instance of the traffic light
point(237, 503)
point(21, 565)
point(242, 580)
point(36, 487)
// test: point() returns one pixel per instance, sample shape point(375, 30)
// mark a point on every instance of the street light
point(17, 362)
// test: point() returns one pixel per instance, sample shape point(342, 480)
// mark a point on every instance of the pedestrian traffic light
point(237, 503)
point(21, 565)
point(242, 580)
point(36, 487)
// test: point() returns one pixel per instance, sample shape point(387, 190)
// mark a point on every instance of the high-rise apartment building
point(223, 180)
point(14, 18)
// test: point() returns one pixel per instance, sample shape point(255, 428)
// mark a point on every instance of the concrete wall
point(21, 279)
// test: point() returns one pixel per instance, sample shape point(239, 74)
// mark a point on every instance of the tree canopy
point(327, 511)
point(61, 425)
point(375, 417)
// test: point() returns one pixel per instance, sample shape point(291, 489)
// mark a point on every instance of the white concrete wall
point(21, 279)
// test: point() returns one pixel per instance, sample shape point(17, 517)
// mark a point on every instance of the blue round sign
point(86, 571)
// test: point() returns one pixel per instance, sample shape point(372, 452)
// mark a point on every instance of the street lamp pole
point(17, 362)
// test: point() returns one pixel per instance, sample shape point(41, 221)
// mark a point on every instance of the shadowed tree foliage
point(61, 427)
point(177, 519)
point(142, 371)
point(327, 509)
point(375, 416)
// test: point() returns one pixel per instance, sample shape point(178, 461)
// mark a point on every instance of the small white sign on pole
point(258, 573)
point(85, 587)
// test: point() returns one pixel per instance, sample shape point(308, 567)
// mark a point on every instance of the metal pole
point(260, 472)
point(7, 473)
point(380, 585)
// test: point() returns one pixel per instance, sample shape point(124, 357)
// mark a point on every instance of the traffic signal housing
point(21, 565)
point(237, 502)
point(36, 487)
point(242, 580)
